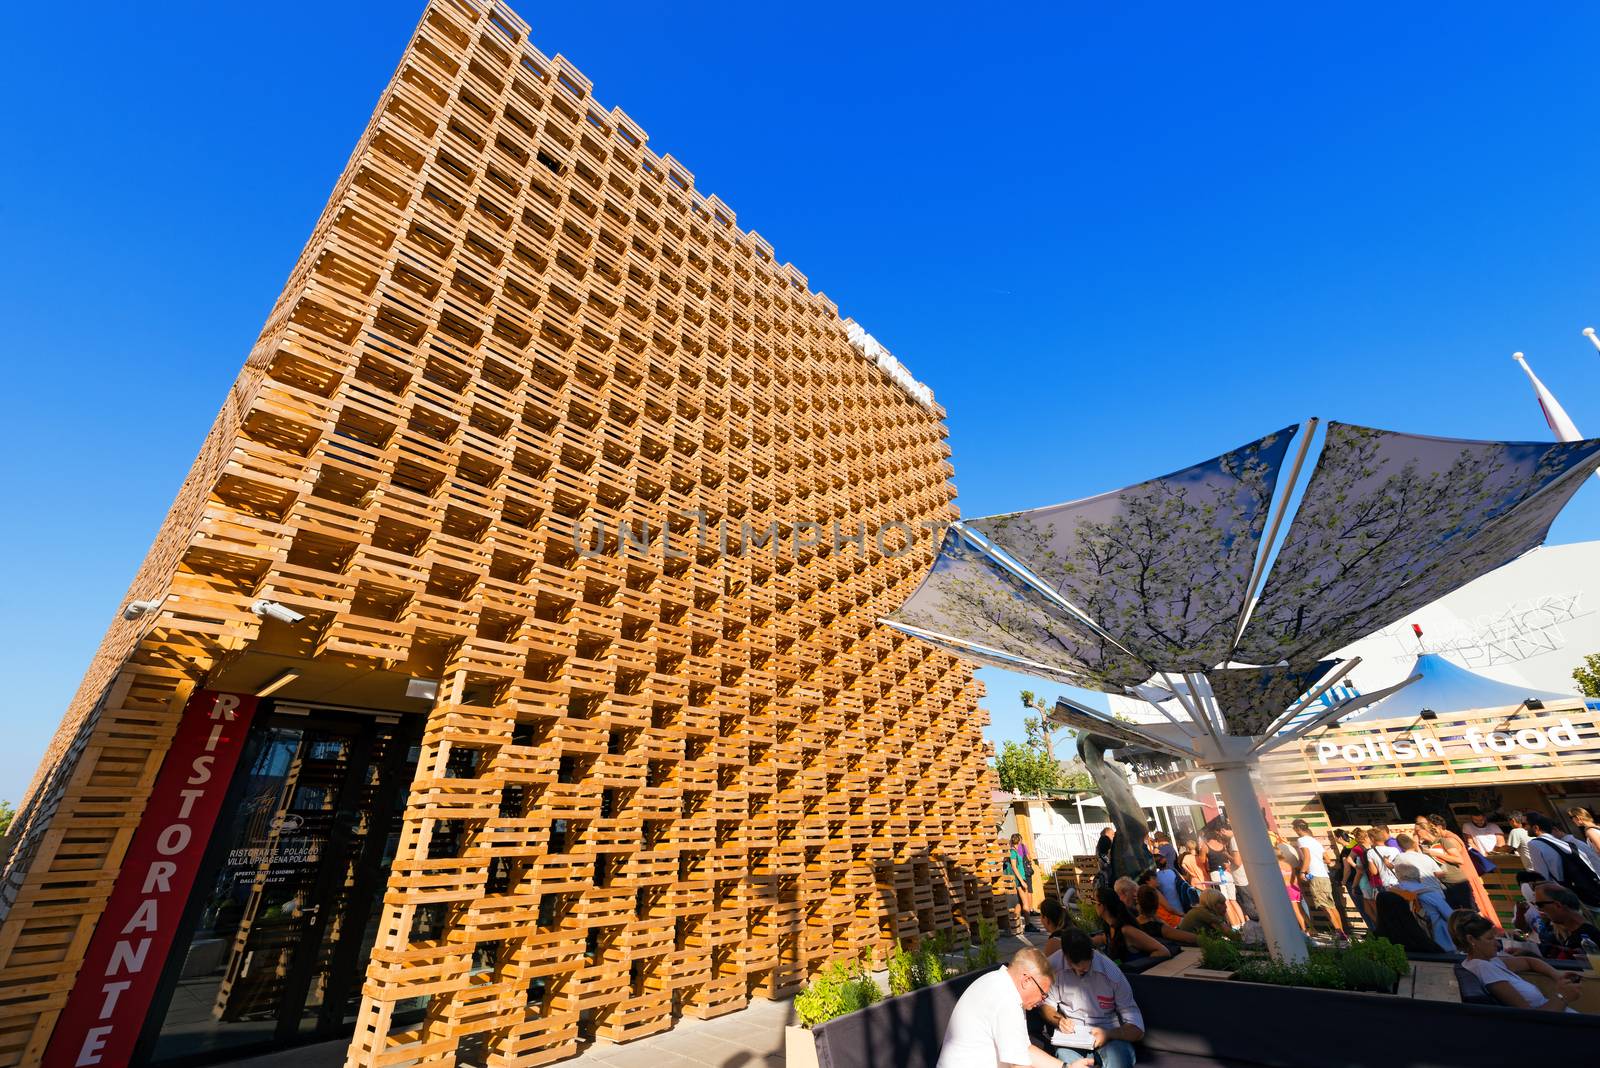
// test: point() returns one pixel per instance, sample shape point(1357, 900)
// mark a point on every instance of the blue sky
point(1113, 242)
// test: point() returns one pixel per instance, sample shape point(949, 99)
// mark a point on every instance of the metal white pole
point(1588, 332)
point(1284, 937)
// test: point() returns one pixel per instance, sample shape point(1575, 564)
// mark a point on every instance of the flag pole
point(1588, 332)
point(1555, 416)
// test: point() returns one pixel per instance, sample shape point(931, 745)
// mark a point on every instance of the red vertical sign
point(108, 1003)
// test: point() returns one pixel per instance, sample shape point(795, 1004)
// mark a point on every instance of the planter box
point(1185, 1015)
point(904, 1031)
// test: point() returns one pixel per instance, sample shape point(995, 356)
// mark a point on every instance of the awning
point(1148, 797)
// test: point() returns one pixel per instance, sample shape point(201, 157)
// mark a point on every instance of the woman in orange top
point(1446, 847)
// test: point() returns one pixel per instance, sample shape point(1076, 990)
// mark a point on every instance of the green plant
point(1381, 951)
point(902, 971)
point(1219, 953)
point(1587, 676)
point(839, 989)
point(1088, 917)
point(6, 815)
point(928, 967)
point(988, 943)
point(1323, 969)
point(1363, 973)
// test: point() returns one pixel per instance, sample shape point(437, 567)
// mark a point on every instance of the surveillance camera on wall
point(135, 609)
point(274, 610)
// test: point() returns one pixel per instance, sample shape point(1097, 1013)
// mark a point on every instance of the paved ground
point(750, 1038)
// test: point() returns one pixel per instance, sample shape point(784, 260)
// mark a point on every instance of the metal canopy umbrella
point(1162, 590)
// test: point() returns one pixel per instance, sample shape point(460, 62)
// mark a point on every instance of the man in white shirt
point(1429, 893)
point(988, 1027)
point(1427, 868)
point(1518, 838)
point(1550, 852)
point(1314, 871)
point(1482, 835)
point(1091, 1007)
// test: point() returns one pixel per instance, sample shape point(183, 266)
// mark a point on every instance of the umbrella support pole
point(1284, 937)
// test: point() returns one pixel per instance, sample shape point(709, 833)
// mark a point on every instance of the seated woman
point(1123, 940)
point(1502, 975)
point(1164, 882)
point(1055, 924)
point(1153, 924)
point(1209, 915)
point(1395, 921)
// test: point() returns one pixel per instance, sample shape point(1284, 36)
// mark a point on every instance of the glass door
point(280, 923)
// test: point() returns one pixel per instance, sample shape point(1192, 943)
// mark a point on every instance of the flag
point(1561, 424)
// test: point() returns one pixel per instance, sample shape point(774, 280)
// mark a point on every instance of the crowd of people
point(1422, 889)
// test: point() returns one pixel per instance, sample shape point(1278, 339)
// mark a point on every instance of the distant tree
point(1080, 781)
point(6, 814)
point(1027, 771)
point(1587, 676)
point(1040, 731)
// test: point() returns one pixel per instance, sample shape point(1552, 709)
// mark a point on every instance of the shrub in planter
point(988, 944)
point(839, 989)
point(1219, 953)
point(1323, 969)
point(1361, 973)
point(1381, 951)
point(902, 971)
point(910, 971)
point(928, 966)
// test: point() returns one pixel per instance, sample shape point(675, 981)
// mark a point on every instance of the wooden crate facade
point(672, 773)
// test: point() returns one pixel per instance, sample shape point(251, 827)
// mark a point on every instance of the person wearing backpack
point(1560, 861)
point(1019, 867)
point(1588, 835)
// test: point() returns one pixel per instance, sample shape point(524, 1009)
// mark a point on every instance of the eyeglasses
point(1042, 994)
point(1542, 904)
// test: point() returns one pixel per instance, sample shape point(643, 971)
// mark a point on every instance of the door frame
point(363, 724)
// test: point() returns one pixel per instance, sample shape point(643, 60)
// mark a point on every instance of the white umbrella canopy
point(1162, 589)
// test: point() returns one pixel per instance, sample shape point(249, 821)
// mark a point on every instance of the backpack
point(1188, 896)
point(1021, 866)
point(1576, 875)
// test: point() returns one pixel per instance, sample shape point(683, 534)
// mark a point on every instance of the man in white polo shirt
point(988, 1028)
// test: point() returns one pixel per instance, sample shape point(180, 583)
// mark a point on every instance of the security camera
point(274, 610)
point(135, 609)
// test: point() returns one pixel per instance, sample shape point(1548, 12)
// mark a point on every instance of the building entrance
point(284, 914)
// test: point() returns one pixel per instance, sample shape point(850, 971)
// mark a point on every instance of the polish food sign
point(114, 988)
point(1378, 749)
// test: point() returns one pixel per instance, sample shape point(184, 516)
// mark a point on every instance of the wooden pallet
point(670, 776)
